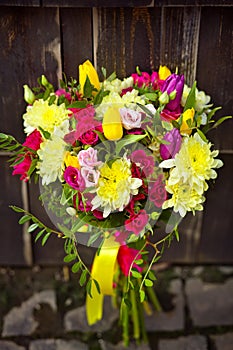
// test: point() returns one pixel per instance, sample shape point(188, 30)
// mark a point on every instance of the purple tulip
point(169, 150)
point(174, 82)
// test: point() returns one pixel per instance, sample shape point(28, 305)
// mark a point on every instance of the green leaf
point(75, 268)
point(202, 135)
point(78, 104)
point(39, 234)
point(151, 276)
point(32, 227)
point(88, 88)
point(88, 288)
point(220, 121)
point(83, 278)
point(128, 139)
point(24, 219)
point(191, 99)
point(52, 99)
point(17, 209)
point(69, 258)
point(136, 274)
point(142, 295)
point(148, 283)
point(139, 261)
point(97, 286)
point(45, 238)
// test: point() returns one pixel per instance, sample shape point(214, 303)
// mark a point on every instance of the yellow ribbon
point(103, 272)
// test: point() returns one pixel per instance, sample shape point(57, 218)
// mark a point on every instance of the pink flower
point(144, 161)
point(141, 80)
point(125, 258)
point(169, 116)
point(33, 140)
point(91, 176)
point(84, 203)
point(169, 150)
point(137, 222)
point(63, 92)
point(174, 82)
point(124, 91)
point(74, 178)
point(157, 192)
point(98, 214)
point(130, 119)
point(23, 167)
point(88, 158)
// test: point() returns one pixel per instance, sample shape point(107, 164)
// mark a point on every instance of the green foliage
point(191, 97)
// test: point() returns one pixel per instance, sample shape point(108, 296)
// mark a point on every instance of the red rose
point(137, 222)
point(125, 258)
point(157, 192)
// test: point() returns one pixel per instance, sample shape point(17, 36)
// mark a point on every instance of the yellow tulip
point(71, 160)
point(112, 125)
point(87, 69)
point(164, 72)
point(187, 115)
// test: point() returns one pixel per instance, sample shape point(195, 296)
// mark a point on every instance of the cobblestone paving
point(42, 309)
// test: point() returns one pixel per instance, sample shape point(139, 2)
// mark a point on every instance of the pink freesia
point(157, 192)
point(23, 167)
point(137, 222)
point(88, 158)
point(74, 178)
point(141, 80)
point(33, 140)
point(125, 258)
point(63, 92)
point(91, 176)
point(130, 119)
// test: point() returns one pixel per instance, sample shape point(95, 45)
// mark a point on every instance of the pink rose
point(157, 192)
point(137, 222)
point(74, 178)
point(141, 159)
point(130, 119)
point(88, 158)
point(84, 203)
point(91, 176)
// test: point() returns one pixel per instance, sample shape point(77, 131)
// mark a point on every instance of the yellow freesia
point(187, 115)
point(71, 160)
point(164, 72)
point(87, 69)
point(112, 125)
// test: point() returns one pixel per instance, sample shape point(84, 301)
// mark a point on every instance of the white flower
point(130, 119)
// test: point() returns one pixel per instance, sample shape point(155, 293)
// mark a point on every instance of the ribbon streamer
point(102, 271)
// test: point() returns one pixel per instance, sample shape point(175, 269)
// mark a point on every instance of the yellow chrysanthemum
point(45, 116)
point(115, 186)
point(184, 198)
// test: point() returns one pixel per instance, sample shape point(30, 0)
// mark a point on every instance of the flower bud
point(29, 96)
point(164, 72)
point(187, 115)
point(164, 98)
point(174, 142)
point(87, 70)
point(44, 81)
point(112, 126)
point(174, 83)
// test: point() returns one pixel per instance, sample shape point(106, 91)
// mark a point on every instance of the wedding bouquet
point(116, 161)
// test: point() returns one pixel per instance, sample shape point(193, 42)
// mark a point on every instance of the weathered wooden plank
point(77, 38)
point(179, 40)
point(11, 247)
point(98, 3)
point(217, 240)
point(134, 35)
point(215, 67)
point(20, 3)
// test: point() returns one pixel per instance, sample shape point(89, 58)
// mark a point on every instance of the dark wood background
point(50, 36)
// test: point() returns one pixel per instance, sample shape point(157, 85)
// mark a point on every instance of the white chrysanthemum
point(52, 154)
point(45, 116)
point(184, 198)
point(115, 186)
point(193, 164)
point(202, 100)
point(118, 85)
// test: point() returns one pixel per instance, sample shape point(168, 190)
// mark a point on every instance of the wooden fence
point(50, 36)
